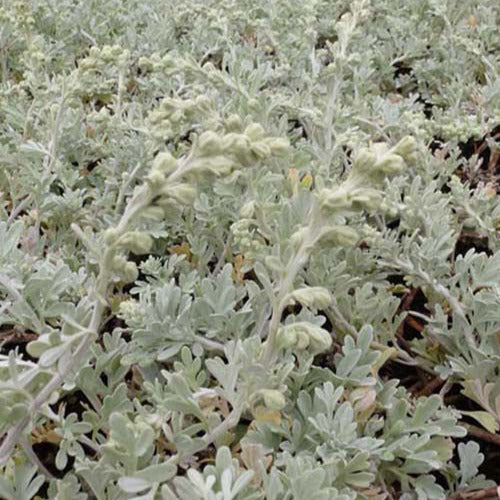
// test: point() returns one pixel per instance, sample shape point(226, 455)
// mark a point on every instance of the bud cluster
point(361, 191)
point(246, 238)
point(372, 164)
point(272, 399)
point(233, 148)
point(173, 115)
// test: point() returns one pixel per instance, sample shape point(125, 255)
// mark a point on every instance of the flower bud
point(153, 213)
point(217, 165)
point(164, 163)
point(155, 179)
point(237, 144)
point(407, 148)
point(233, 123)
point(119, 262)
point(209, 143)
point(302, 340)
point(203, 102)
point(261, 150)
point(391, 164)
point(315, 297)
point(273, 399)
point(287, 338)
point(278, 145)
point(129, 272)
point(182, 193)
point(333, 200)
point(364, 160)
point(255, 131)
point(365, 199)
point(136, 242)
point(304, 335)
point(320, 340)
point(111, 235)
point(343, 236)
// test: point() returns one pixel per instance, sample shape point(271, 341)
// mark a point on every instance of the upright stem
point(293, 268)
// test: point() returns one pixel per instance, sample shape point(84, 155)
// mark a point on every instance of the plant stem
point(486, 494)
point(482, 434)
point(139, 201)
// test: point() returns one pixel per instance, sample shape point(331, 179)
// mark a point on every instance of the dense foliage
point(249, 249)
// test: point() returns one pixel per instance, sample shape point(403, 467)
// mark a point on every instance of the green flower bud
point(209, 143)
point(365, 199)
point(217, 165)
point(407, 148)
point(183, 193)
point(145, 63)
point(153, 213)
point(320, 340)
point(155, 179)
point(176, 116)
point(273, 399)
point(255, 131)
point(129, 272)
point(287, 338)
point(278, 145)
point(129, 310)
point(304, 335)
point(364, 161)
point(314, 297)
point(235, 143)
point(119, 262)
point(302, 340)
point(234, 123)
point(18, 412)
point(343, 236)
point(202, 101)
point(164, 163)
point(261, 150)
point(111, 235)
point(391, 164)
point(333, 200)
point(136, 242)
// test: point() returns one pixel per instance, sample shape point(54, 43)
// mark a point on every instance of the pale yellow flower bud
point(313, 297)
point(273, 399)
point(136, 242)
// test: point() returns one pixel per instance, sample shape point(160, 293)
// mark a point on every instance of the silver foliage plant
point(202, 206)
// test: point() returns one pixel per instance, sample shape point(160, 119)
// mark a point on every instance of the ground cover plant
point(249, 250)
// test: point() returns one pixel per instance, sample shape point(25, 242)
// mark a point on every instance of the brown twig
point(410, 321)
point(406, 303)
point(482, 434)
point(408, 299)
point(486, 494)
point(430, 387)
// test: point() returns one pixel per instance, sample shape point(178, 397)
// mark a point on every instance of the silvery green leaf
point(470, 460)
point(133, 484)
